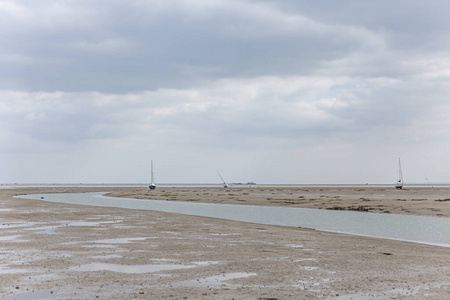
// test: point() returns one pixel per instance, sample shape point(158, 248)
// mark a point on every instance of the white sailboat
point(399, 184)
point(152, 186)
point(225, 185)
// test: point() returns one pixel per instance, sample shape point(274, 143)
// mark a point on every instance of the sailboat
point(225, 185)
point(152, 186)
point(399, 184)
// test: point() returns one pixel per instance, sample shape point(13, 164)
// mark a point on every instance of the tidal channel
point(419, 229)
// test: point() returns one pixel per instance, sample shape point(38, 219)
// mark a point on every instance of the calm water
point(427, 230)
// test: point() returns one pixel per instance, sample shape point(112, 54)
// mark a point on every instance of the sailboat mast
point(220, 177)
point(399, 184)
point(153, 181)
point(152, 185)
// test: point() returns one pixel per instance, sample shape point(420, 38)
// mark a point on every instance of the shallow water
point(120, 240)
point(420, 229)
point(44, 295)
point(138, 269)
point(4, 269)
point(14, 238)
point(130, 269)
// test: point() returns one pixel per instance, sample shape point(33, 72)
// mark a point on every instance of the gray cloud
point(272, 91)
point(80, 46)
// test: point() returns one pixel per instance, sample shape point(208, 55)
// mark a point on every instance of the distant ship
point(399, 184)
point(248, 183)
point(152, 186)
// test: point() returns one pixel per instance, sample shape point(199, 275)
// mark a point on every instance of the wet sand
point(81, 252)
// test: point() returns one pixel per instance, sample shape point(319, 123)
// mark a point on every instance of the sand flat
point(204, 258)
point(422, 201)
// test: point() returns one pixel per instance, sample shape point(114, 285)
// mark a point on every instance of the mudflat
point(422, 201)
point(53, 250)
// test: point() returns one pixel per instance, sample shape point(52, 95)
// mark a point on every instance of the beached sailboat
point(225, 185)
point(399, 184)
point(152, 186)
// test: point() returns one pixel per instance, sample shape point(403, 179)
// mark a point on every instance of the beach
point(80, 252)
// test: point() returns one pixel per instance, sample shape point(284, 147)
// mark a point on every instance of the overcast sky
point(267, 91)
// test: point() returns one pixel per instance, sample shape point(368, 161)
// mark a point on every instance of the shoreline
point(86, 252)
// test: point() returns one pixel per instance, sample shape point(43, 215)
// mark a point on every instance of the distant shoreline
point(406, 185)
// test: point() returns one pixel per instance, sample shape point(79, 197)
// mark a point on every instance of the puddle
point(2, 226)
point(99, 217)
point(11, 238)
point(43, 295)
point(19, 224)
point(206, 263)
point(217, 281)
point(165, 260)
point(311, 268)
point(7, 270)
point(70, 243)
point(119, 226)
point(129, 269)
point(139, 269)
point(305, 259)
point(294, 246)
point(172, 232)
point(45, 229)
point(226, 234)
point(99, 246)
point(121, 240)
point(86, 223)
point(106, 256)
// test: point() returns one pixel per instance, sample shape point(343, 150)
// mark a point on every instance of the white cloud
point(11, 9)
point(293, 107)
